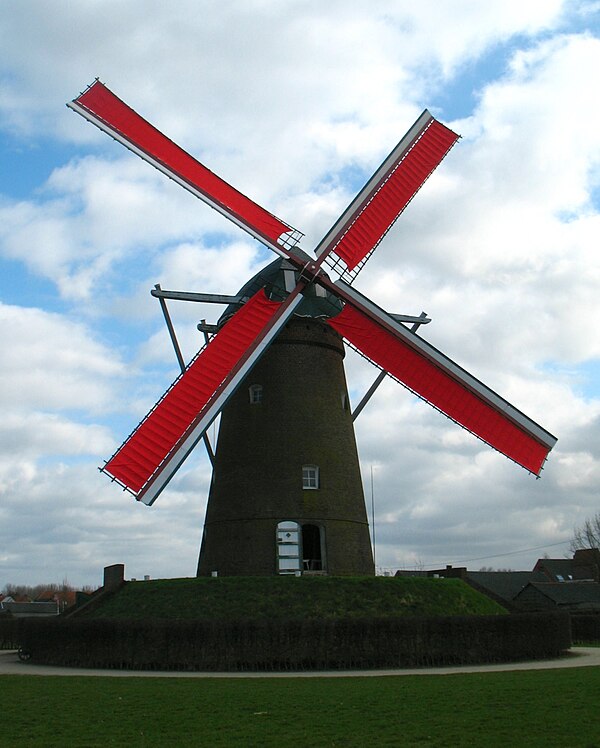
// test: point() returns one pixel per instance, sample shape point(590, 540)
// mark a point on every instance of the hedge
point(9, 632)
point(586, 628)
point(294, 645)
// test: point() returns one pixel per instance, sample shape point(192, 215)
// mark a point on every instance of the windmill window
point(256, 393)
point(310, 476)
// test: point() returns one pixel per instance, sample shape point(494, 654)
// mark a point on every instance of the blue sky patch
point(27, 164)
point(584, 377)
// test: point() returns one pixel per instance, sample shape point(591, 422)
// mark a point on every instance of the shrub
point(294, 644)
point(586, 628)
point(9, 631)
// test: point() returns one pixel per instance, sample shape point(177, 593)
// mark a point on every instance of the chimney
point(114, 576)
point(586, 564)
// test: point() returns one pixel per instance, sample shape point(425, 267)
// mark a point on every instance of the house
point(49, 602)
point(571, 596)
point(567, 583)
point(28, 609)
point(503, 586)
point(63, 598)
point(584, 566)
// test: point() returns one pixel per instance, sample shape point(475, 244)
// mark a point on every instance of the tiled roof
point(20, 610)
point(557, 569)
point(569, 593)
point(504, 584)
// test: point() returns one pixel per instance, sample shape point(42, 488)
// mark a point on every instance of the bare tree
point(588, 535)
point(32, 591)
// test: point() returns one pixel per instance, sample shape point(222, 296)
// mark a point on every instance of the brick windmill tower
point(286, 496)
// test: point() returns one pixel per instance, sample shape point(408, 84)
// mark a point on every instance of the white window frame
point(310, 477)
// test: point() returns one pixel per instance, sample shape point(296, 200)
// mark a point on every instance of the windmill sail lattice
point(155, 450)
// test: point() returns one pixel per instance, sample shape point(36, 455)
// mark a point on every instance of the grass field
point(235, 598)
point(536, 708)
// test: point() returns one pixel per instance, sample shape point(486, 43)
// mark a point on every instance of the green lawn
point(537, 708)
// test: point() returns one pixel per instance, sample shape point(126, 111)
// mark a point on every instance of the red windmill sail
point(442, 383)
point(363, 224)
point(100, 105)
point(172, 428)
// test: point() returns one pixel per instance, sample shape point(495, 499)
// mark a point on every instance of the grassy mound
point(293, 598)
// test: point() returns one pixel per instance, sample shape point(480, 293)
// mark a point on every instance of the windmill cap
point(272, 279)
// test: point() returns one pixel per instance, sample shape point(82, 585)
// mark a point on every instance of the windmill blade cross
point(157, 447)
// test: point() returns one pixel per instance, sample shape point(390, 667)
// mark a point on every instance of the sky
point(296, 102)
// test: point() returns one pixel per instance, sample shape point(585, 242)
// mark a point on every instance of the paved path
point(577, 657)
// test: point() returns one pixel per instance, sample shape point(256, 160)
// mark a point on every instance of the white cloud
point(52, 363)
point(93, 216)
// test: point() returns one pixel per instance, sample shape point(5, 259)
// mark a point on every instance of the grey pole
point(163, 305)
point(382, 374)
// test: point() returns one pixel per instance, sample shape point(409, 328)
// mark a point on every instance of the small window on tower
point(310, 476)
point(256, 393)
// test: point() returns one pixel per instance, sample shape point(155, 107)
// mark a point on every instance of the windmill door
point(289, 560)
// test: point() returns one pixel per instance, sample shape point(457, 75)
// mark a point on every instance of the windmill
point(277, 354)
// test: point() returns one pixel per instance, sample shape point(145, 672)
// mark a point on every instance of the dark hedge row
point(9, 634)
point(295, 645)
point(586, 628)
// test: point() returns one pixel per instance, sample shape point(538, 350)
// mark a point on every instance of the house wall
point(532, 599)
